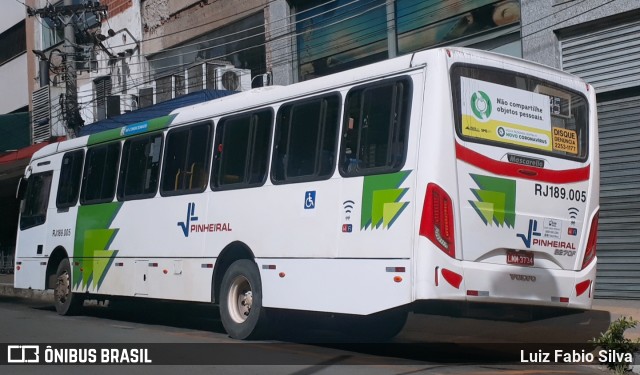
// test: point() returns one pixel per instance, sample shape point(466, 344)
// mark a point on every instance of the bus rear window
point(518, 111)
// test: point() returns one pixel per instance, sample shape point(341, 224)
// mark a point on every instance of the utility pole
point(67, 15)
point(74, 121)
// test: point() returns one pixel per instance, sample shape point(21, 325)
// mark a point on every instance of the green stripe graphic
point(92, 242)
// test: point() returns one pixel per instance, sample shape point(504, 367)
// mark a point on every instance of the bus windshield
point(517, 111)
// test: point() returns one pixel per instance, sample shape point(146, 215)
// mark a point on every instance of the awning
point(13, 163)
point(154, 111)
point(27, 152)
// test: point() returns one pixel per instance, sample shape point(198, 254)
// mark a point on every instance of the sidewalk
point(7, 290)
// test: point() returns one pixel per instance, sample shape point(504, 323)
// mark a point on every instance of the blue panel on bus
point(134, 129)
point(310, 200)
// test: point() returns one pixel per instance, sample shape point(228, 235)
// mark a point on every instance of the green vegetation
point(613, 339)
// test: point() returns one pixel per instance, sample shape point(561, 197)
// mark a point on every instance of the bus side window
point(305, 141)
point(34, 207)
point(70, 175)
point(375, 128)
point(140, 167)
point(242, 151)
point(100, 174)
point(186, 160)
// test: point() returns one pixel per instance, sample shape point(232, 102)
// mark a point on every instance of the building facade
point(143, 52)
point(13, 58)
point(14, 113)
point(600, 42)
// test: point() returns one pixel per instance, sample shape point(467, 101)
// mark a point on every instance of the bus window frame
point(407, 81)
point(206, 168)
point(22, 188)
point(121, 196)
point(24, 226)
point(82, 199)
point(290, 105)
point(216, 160)
point(74, 202)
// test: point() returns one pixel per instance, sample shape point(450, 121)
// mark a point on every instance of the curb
point(8, 290)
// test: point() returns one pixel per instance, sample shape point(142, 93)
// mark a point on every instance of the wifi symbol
point(573, 212)
point(348, 206)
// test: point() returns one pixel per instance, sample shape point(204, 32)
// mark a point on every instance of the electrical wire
point(251, 36)
point(218, 57)
point(288, 35)
point(349, 41)
point(285, 57)
point(255, 35)
point(181, 66)
point(228, 35)
point(332, 10)
point(573, 16)
point(573, 4)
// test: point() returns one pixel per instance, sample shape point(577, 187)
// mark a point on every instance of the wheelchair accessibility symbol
point(310, 200)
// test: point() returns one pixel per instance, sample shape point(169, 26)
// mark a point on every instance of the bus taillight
point(437, 219)
point(590, 253)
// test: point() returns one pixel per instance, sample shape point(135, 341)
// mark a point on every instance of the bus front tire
point(241, 311)
point(66, 301)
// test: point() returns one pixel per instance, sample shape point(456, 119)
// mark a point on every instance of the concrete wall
point(117, 6)
point(280, 42)
point(544, 22)
point(13, 74)
point(14, 89)
point(12, 13)
point(168, 23)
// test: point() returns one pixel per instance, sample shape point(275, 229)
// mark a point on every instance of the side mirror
point(22, 188)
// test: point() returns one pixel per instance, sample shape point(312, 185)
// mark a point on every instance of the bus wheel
point(241, 308)
point(66, 302)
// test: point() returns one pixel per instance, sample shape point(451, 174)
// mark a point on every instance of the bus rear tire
point(66, 301)
point(241, 311)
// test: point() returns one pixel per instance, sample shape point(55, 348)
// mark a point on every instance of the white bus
point(450, 174)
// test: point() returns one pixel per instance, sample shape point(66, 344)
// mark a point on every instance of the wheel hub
point(244, 302)
point(240, 299)
point(63, 287)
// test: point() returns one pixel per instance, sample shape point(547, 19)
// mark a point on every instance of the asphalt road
point(181, 334)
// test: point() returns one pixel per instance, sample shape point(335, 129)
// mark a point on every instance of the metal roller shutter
point(618, 247)
point(609, 59)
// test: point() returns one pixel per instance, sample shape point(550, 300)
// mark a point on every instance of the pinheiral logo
point(481, 105)
point(191, 223)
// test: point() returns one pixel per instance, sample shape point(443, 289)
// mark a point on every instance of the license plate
point(520, 258)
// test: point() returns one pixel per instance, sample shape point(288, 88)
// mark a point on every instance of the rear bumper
point(499, 283)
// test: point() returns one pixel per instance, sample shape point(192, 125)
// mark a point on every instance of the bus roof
point(248, 100)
